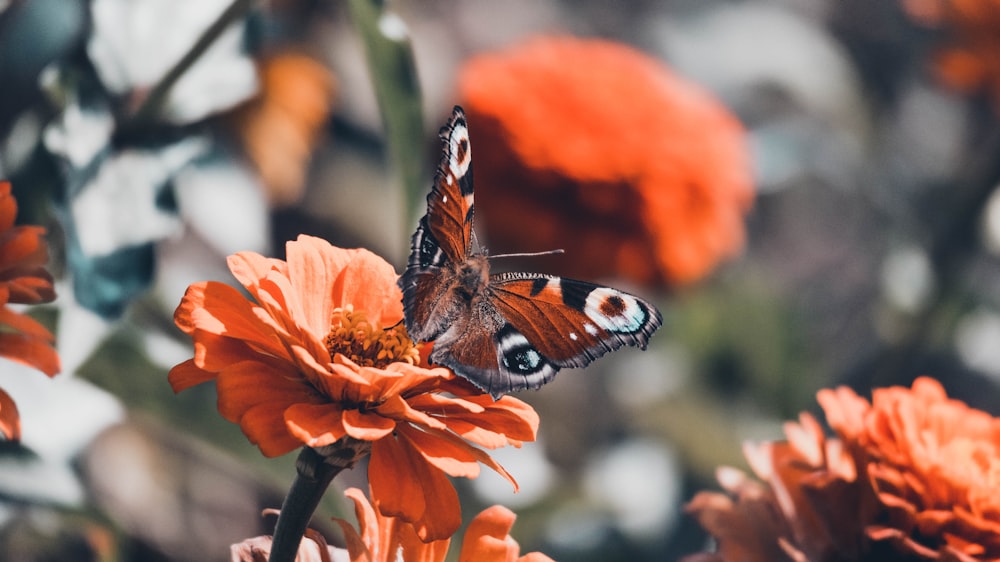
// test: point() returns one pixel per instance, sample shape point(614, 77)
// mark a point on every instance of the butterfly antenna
point(529, 254)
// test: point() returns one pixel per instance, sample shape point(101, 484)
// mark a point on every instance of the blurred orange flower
point(23, 280)
point(279, 128)
point(599, 149)
point(912, 476)
point(322, 356)
point(970, 60)
point(387, 539)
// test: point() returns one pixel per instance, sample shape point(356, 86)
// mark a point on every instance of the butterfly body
point(509, 331)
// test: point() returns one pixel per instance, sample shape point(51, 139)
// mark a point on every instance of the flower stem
point(315, 469)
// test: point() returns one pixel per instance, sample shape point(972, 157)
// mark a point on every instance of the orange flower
point(280, 127)
point(322, 356)
point(387, 539)
point(594, 147)
point(23, 280)
point(913, 476)
point(970, 62)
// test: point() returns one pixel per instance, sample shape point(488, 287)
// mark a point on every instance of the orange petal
point(24, 324)
point(404, 485)
point(262, 426)
point(250, 267)
point(316, 425)
point(30, 351)
point(219, 309)
point(479, 455)
point(23, 246)
point(187, 374)
point(8, 206)
point(369, 283)
point(367, 519)
point(486, 538)
point(313, 267)
point(10, 420)
point(454, 457)
point(367, 426)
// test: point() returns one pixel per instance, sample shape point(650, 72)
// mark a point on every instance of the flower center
point(367, 344)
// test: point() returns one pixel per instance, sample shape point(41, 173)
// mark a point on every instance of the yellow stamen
point(352, 335)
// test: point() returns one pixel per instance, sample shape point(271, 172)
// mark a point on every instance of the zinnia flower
point(23, 280)
point(388, 539)
point(911, 476)
point(970, 60)
point(322, 356)
point(599, 149)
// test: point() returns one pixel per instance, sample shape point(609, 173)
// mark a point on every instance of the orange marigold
point(970, 60)
point(23, 280)
point(597, 148)
point(912, 476)
point(321, 355)
point(388, 539)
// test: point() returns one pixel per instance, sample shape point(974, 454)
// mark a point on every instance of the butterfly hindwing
point(492, 354)
point(572, 322)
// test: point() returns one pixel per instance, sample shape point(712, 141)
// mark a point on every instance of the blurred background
point(839, 159)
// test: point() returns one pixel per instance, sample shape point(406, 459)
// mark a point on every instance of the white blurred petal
point(78, 134)
point(59, 417)
point(81, 331)
point(907, 279)
point(118, 208)
point(638, 481)
point(135, 42)
point(976, 337)
point(224, 204)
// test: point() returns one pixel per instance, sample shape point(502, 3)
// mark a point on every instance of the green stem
point(394, 77)
point(314, 472)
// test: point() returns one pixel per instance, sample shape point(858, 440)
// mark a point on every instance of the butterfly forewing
point(450, 203)
point(444, 235)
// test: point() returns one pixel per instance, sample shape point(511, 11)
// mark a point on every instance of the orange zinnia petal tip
point(23, 279)
point(382, 538)
point(594, 147)
point(10, 420)
point(317, 355)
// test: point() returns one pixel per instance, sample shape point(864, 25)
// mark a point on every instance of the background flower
point(910, 477)
point(968, 58)
point(653, 189)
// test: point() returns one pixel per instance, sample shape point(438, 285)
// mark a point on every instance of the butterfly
point(508, 331)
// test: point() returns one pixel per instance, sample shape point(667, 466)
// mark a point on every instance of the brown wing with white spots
point(569, 322)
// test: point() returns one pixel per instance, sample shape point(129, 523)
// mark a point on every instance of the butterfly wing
point(492, 354)
point(571, 323)
point(531, 325)
point(444, 234)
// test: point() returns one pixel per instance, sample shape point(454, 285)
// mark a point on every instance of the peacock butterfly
point(509, 331)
